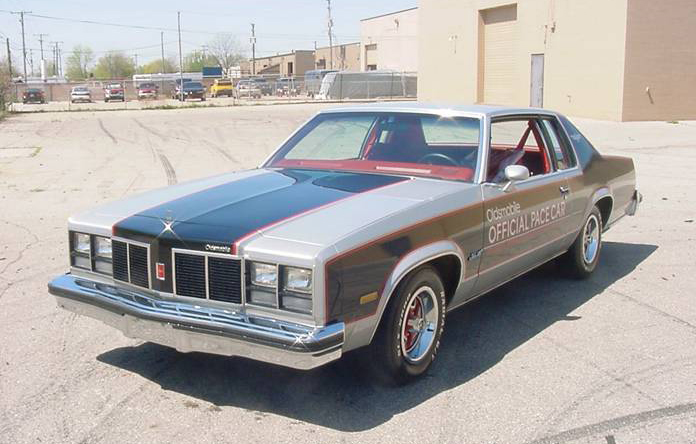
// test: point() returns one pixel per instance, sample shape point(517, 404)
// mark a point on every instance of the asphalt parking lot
point(541, 360)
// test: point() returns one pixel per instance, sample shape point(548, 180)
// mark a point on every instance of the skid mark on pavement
point(223, 152)
point(106, 131)
point(616, 424)
point(168, 168)
point(151, 130)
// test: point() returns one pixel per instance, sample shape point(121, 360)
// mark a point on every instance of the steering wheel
point(438, 156)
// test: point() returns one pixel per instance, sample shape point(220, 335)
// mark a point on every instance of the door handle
point(564, 190)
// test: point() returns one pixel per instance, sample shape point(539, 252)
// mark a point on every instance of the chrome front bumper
point(189, 327)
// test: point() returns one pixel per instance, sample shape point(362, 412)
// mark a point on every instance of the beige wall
point(345, 57)
point(661, 56)
point(583, 43)
point(396, 37)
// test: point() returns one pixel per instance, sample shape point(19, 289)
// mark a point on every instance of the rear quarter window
point(583, 148)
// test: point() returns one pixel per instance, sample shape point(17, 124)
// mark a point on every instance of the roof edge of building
point(389, 13)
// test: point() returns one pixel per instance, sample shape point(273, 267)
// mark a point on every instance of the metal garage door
point(500, 38)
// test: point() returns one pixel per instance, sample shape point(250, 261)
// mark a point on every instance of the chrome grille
point(207, 276)
point(131, 262)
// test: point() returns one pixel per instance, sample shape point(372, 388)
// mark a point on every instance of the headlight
point(264, 275)
point(297, 290)
point(102, 247)
point(102, 255)
point(80, 251)
point(81, 243)
point(297, 279)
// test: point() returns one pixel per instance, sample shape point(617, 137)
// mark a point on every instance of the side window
point(516, 142)
point(582, 146)
point(562, 155)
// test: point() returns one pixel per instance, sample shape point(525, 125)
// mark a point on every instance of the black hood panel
point(225, 213)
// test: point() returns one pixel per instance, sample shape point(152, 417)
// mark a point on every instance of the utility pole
point(136, 62)
point(162, 43)
point(253, 49)
point(205, 53)
point(56, 59)
point(42, 65)
point(181, 58)
point(24, 45)
point(41, 40)
point(9, 58)
point(31, 61)
point(330, 23)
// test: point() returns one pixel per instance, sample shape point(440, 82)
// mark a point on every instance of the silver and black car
point(362, 231)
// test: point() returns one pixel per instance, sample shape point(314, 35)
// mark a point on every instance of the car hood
point(304, 207)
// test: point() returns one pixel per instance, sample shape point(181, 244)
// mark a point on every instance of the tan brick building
point(346, 57)
point(390, 41)
point(294, 63)
point(605, 59)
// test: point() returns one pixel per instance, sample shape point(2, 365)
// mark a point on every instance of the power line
point(159, 28)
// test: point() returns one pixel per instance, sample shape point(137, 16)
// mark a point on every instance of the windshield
point(191, 85)
point(80, 89)
point(114, 85)
point(147, 85)
point(399, 143)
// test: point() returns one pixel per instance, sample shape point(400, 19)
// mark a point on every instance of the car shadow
point(341, 397)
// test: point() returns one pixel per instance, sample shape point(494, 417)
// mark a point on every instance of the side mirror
point(515, 173)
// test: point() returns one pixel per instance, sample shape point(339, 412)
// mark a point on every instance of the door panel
point(521, 227)
point(536, 94)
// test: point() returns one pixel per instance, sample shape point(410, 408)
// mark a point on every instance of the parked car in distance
point(247, 88)
point(192, 90)
point(80, 94)
point(33, 95)
point(364, 229)
point(114, 91)
point(222, 87)
point(148, 90)
point(313, 80)
point(287, 86)
point(264, 85)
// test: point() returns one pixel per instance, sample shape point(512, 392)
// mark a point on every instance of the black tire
point(388, 357)
point(582, 257)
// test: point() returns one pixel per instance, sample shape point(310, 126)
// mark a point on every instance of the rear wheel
point(408, 338)
point(582, 257)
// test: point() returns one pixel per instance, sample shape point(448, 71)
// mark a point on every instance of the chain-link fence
point(314, 85)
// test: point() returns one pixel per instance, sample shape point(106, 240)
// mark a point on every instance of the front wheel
point(582, 257)
point(409, 336)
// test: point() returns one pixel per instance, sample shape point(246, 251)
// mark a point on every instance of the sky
point(281, 26)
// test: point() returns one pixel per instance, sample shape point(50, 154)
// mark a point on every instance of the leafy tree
point(195, 61)
point(78, 62)
point(114, 65)
point(5, 85)
point(155, 66)
point(226, 51)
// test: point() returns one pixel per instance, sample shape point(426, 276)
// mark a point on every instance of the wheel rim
point(419, 325)
point(590, 244)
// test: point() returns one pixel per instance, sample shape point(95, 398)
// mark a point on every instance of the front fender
point(361, 332)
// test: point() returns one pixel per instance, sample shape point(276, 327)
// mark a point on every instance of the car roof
point(479, 111)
